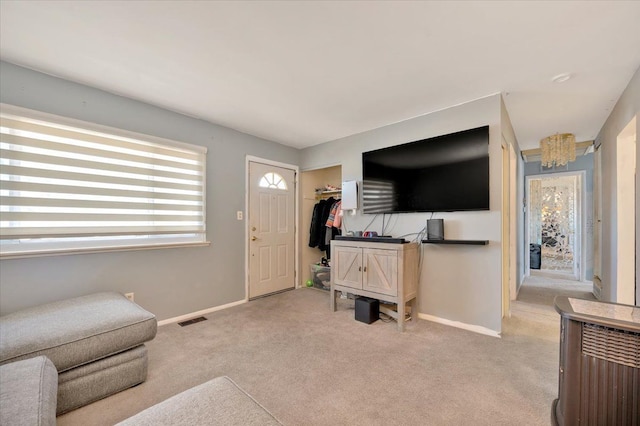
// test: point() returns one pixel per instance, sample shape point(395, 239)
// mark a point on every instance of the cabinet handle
point(359, 268)
point(365, 269)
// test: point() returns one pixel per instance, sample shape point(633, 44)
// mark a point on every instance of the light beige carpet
point(310, 366)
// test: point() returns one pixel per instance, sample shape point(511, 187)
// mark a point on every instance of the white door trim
point(505, 230)
point(253, 159)
point(625, 217)
point(509, 164)
point(326, 166)
point(597, 222)
point(582, 222)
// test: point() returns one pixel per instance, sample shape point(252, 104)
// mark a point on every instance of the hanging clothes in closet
point(318, 220)
point(323, 227)
point(333, 225)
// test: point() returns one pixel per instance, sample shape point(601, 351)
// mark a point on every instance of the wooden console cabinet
point(384, 271)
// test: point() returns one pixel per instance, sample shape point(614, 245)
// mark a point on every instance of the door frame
point(626, 192)
point(505, 231)
point(508, 225)
point(597, 222)
point(582, 222)
point(296, 250)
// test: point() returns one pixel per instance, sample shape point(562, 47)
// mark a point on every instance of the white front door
point(271, 229)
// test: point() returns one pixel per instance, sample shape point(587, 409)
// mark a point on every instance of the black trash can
point(534, 256)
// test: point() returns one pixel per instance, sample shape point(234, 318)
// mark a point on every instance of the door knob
point(254, 238)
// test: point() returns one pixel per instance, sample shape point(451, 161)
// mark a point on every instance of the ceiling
point(303, 73)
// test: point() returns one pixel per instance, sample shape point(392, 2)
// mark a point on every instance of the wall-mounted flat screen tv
point(444, 173)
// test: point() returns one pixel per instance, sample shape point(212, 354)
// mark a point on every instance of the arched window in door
point(273, 180)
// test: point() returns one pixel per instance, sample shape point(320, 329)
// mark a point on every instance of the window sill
point(90, 250)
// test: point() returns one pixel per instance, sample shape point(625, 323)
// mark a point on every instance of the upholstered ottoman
point(219, 401)
point(28, 391)
point(95, 342)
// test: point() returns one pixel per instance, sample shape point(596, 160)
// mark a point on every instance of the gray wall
point(168, 282)
point(457, 283)
point(582, 163)
point(625, 109)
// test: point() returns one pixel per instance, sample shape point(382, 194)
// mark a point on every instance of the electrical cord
point(388, 318)
point(388, 226)
point(374, 218)
point(408, 235)
point(384, 317)
point(420, 236)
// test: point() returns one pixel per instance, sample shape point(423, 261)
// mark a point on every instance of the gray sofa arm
point(28, 392)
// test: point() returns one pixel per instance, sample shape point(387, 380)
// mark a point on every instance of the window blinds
point(63, 181)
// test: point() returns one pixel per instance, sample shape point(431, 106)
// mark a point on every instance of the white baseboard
point(462, 325)
point(200, 313)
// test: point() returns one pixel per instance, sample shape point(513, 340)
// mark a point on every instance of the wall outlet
point(129, 296)
point(239, 214)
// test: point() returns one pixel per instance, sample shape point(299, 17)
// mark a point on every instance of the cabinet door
point(380, 271)
point(347, 264)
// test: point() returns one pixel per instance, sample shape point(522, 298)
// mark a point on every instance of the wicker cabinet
point(599, 369)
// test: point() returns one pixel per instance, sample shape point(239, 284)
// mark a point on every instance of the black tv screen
point(444, 173)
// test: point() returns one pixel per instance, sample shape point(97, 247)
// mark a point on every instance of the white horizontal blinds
point(61, 181)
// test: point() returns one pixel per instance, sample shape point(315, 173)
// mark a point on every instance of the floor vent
point(191, 321)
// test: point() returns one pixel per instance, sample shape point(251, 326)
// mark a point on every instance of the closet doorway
point(555, 224)
point(310, 182)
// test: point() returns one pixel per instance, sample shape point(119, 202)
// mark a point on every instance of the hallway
point(534, 306)
point(540, 290)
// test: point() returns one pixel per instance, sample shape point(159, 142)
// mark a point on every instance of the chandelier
point(558, 149)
